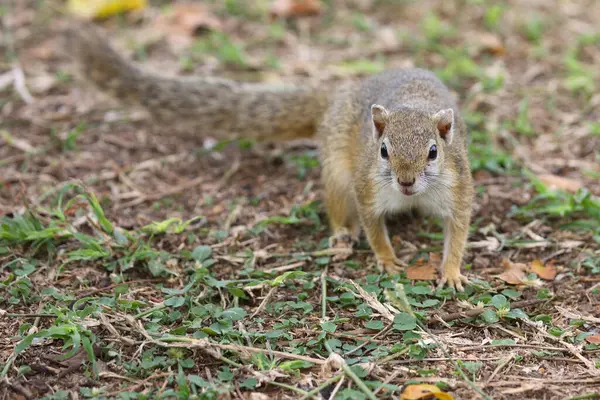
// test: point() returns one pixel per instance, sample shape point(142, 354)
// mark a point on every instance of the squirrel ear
point(379, 115)
point(445, 124)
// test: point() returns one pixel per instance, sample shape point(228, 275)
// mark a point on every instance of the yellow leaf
point(295, 8)
point(424, 272)
point(514, 273)
point(103, 8)
point(424, 391)
point(547, 272)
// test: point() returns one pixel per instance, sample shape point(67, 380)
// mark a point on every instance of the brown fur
point(217, 107)
point(357, 181)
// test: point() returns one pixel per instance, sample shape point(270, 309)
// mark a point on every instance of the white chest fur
point(436, 201)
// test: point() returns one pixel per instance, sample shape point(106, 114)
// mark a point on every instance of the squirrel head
point(411, 145)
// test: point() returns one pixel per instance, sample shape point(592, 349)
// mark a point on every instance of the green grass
point(223, 46)
point(434, 29)
point(305, 162)
point(192, 312)
point(533, 29)
point(493, 15)
point(363, 67)
point(181, 293)
point(582, 207)
point(483, 154)
point(580, 76)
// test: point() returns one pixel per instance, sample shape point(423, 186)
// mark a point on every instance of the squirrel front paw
point(391, 265)
point(344, 242)
point(342, 238)
point(453, 279)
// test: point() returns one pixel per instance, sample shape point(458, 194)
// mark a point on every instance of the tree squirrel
point(392, 142)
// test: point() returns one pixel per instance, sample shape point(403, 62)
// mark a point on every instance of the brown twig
point(136, 386)
point(436, 359)
point(17, 388)
point(114, 285)
point(228, 174)
point(32, 315)
point(590, 365)
point(498, 368)
point(475, 312)
point(366, 342)
point(516, 345)
point(390, 378)
point(211, 347)
point(264, 302)
point(517, 380)
point(153, 197)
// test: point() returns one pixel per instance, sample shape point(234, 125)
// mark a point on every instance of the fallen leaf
point(188, 19)
point(593, 339)
point(559, 182)
point(42, 83)
point(424, 391)
point(422, 271)
point(570, 244)
point(17, 143)
point(491, 43)
point(44, 50)
point(90, 9)
point(481, 175)
point(490, 244)
point(524, 387)
point(295, 8)
point(259, 396)
point(547, 272)
point(514, 273)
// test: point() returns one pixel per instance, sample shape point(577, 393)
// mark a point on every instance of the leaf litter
point(133, 252)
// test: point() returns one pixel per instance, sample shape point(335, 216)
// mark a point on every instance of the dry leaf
point(295, 8)
point(259, 396)
point(481, 175)
point(90, 9)
point(422, 271)
point(491, 43)
point(570, 244)
point(547, 272)
point(514, 273)
point(490, 244)
point(44, 50)
point(17, 143)
point(559, 182)
point(424, 391)
point(186, 20)
point(593, 339)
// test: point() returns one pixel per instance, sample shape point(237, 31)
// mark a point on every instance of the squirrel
point(392, 142)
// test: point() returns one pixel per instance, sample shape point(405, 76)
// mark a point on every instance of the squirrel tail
point(214, 107)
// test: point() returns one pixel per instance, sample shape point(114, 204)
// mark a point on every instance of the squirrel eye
point(432, 152)
point(384, 153)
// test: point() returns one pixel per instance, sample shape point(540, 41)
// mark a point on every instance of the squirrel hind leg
point(343, 217)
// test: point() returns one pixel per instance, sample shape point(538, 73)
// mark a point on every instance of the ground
point(134, 260)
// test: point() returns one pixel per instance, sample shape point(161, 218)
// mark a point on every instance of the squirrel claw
point(390, 266)
point(342, 240)
point(456, 282)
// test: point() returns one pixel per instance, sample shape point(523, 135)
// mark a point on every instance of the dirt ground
point(527, 75)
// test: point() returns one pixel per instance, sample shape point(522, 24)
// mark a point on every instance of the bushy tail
point(205, 106)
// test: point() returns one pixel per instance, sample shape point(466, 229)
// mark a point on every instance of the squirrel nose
point(406, 183)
